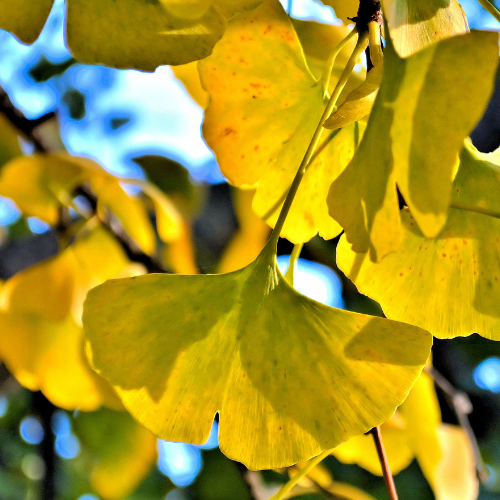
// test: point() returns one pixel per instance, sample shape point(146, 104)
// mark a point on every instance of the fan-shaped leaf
point(409, 142)
point(288, 376)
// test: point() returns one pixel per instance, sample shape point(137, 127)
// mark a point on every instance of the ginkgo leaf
point(190, 78)
point(265, 106)
point(344, 9)
point(288, 376)
point(415, 25)
point(455, 477)
point(41, 341)
point(180, 255)
point(24, 18)
point(461, 263)
point(358, 103)
point(408, 141)
point(121, 452)
point(250, 238)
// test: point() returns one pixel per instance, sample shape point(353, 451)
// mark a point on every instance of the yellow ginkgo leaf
point(41, 342)
point(415, 25)
point(180, 255)
point(408, 141)
point(455, 477)
point(265, 106)
point(358, 103)
point(24, 18)
point(250, 238)
point(121, 452)
point(288, 376)
point(461, 263)
point(190, 78)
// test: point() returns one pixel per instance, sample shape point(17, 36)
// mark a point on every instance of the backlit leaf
point(415, 25)
point(41, 341)
point(454, 277)
point(265, 106)
point(121, 452)
point(24, 18)
point(409, 141)
point(288, 376)
point(190, 78)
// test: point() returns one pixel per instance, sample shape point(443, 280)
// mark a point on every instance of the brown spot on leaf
point(228, 131)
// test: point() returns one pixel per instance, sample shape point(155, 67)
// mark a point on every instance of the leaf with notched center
point(288, 376)
point(454, 277)
point(426, 106)
point(265, 106)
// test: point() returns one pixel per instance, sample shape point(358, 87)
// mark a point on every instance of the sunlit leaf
point(358, 103)
point(120, 451)
point(455, 477)
point(41, 341)
point(250, 238)
point(190, 78)
point(288, 376)
point(409, 142)
point(265, 106)
point(180, 255)
point(453, 277)
point(415, 25)
point(24, 18)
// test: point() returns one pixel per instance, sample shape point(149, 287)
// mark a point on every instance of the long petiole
point(490, 8)
point(327, 73)
point(303, 472)
point(290, 272)
point(358, 50)
point(384, 463)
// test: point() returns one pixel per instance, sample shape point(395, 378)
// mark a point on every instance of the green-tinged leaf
point(24, 18)
point(454, 277)
point(409, 141)
point(41, 341)
point(120, 452)
point(415, 25)
point(344, 9)
point(265, 106)
point(144, 35)
point(358, 103)
point(288, 376)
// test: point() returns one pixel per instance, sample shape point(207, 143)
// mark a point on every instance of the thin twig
point(389, 480)
point(462, 406)
point(27, 128)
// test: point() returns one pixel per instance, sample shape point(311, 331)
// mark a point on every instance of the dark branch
point(389, 480)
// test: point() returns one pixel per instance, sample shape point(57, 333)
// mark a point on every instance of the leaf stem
point(358, 50)
point(290, 272)
point(462, 407)
point(303, 472)
point(327, 73)
point(490, 8)
point(389, 480)
point(475, 209)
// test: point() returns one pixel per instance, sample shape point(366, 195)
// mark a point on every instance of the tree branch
point(462, 406)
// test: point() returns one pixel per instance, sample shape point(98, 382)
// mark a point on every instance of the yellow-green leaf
point(288, 376)
point(454, 277)
point(409, 141)
point(24, 18)
point(143, 34)
point(265, 106)
point(120, 452)
point(358, 103)
point(415, 25)
point(41, 341)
